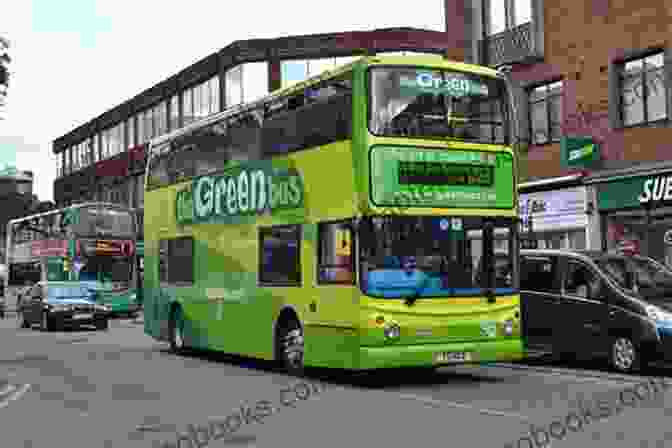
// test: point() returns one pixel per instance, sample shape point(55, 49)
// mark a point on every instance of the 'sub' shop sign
point(243, 192)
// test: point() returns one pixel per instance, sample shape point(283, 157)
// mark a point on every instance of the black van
point(581, 304)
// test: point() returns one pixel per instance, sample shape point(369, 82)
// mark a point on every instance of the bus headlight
point(392, 331)
point(508, 327)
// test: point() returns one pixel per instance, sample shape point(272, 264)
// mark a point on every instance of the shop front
point(554, 219)
point(636, 214)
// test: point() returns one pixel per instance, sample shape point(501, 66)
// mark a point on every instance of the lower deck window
point(280, 260)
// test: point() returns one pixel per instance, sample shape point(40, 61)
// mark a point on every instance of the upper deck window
point(417, 102)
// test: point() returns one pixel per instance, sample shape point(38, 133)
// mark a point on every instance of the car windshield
point(413, 102)
point(648, 273)
point(66, 292)
point(434, 256)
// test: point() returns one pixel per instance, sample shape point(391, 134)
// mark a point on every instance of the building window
point(279, 258)
point(160, 119)
point(86, 153)
point(174, 122)
point(59, 165)
point(335, 254)
point(66, 162)
point(234, 86)
point(507, 14)
point(643, 90)
point(130, 132)
point(188, 107)
point(95, 148)
point(214, 94)
point(545, 103)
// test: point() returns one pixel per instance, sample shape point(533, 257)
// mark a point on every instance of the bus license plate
point(83, 316)
point(452, 357)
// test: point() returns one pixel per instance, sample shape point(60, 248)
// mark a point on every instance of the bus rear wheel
point(291, 347)
point(176, 331)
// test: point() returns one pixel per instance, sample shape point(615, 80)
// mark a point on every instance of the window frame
point(620, 78)
point(555, 288)
point(510, 7)
point(169, 248)
point(545, 99)
point(565, 276)
point(263, 231)
point(353, 248)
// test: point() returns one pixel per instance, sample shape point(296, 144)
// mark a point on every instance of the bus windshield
point(107, 269)
point(99, 221)
point(416, 102)
point(434, 256)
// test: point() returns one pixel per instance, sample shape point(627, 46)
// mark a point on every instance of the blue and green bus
point(91, 242)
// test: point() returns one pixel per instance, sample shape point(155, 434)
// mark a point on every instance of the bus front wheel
point(176, 331)
point(291, 347)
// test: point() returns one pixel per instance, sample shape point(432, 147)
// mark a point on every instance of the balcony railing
point(515, 45)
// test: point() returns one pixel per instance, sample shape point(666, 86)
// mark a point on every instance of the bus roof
point(430, 61)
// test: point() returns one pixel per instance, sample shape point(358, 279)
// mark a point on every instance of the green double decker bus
point(365, 218)
point(92, 243)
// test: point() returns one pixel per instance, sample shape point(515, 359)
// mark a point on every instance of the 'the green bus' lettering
point(250, 191)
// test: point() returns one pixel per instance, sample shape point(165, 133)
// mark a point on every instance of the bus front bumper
point(438, 354)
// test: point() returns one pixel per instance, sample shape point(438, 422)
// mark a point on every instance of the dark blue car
point(59, 305)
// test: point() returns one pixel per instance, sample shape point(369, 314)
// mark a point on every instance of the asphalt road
point(121, 389)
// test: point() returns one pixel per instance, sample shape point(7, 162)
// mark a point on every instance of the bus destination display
point(441, 173)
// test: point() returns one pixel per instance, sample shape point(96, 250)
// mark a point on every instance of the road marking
point(440, 403)
point(15, 396)
point(577, 375)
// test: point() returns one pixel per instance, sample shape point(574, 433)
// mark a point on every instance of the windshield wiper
point(410, 300)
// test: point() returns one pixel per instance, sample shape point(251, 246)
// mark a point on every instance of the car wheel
point(176, 331)
point(291, 348)
point(625, 356)
point(102, 324)
point(45, 324)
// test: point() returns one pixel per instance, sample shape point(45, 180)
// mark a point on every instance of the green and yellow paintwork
point(225, 308)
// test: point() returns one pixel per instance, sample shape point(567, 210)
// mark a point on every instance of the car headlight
point(392, 331)
point(134, 297)
point(60, 307)
point(102, 307)
point(658, 315)
point(508, 327)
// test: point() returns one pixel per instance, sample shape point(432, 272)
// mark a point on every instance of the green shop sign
point(244, 190)
point(578, 152)
point(402, 176)
point(635, 192)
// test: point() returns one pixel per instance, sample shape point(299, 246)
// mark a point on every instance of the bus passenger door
point(333, 302)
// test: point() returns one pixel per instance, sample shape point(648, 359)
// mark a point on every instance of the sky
point(73, 60)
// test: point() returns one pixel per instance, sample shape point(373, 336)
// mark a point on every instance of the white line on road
point(440, 403)
point(15, 396)
point(577, 375)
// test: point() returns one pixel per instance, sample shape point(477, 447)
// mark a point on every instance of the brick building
point(594, 96)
